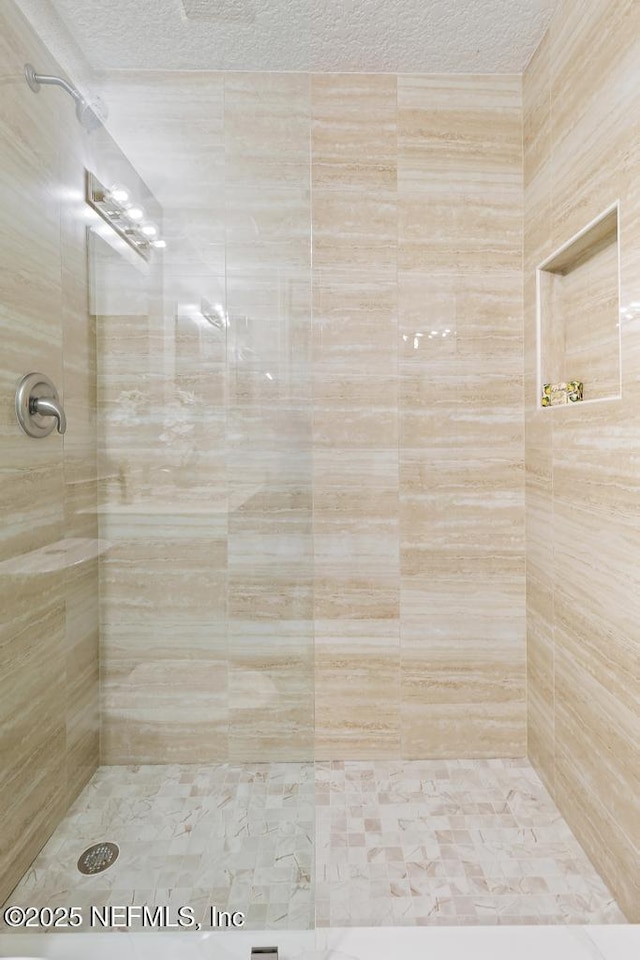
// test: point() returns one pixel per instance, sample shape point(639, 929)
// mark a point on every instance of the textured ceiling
point(409, 36)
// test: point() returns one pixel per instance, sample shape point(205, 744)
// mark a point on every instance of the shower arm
point(36, 79)
point(91, 114)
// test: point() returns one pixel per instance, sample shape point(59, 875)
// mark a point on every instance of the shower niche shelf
point(578, 315)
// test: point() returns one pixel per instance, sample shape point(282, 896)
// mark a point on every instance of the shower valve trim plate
point(38, 407)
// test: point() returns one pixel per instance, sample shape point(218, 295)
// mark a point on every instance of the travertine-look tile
point(308, 423)
point(459, 316)
point(183, 114)
point(349, 410)
point(470, 405)
point(82, 664)
point(355, 228)
point(575, 350)
point(582, 506)
point(536, 119)
point(356, 597)
point(355, 324)
point(143, 707)
point(459, 174)
point(357, 680)
point(33, 745)
point(354, 118)
point(271, 690)
point(49, 654)
point(475, 227)
point(353, 154)
point(592, 148)
point(266, 113)
point(540, 674)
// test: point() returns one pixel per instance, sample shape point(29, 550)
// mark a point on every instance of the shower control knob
point(38, 406)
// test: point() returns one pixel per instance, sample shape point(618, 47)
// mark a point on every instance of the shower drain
point(97, 858)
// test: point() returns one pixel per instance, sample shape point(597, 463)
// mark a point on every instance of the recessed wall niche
point(578, 296)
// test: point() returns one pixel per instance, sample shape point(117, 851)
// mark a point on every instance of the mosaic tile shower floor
point(394, 842)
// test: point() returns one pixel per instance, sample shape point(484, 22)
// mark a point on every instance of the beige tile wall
point(163, 512)
point(582, 143)
point(207, 604)
point(417, 229)
point(373, 469)
point(162, 422)
point(49, 564)
point(460, 411)
point(354, 161)
point(580, 331)
point(48, 637)
point(268, 267)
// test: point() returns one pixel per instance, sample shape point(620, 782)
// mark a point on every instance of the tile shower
point(348, 579)
point(347, 843)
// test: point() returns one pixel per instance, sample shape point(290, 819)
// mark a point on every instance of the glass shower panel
point(204, 415)
point(268, 260)
point(161, 424)
point(271, 636)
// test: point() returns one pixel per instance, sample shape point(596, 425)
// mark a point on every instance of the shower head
point(90, 114)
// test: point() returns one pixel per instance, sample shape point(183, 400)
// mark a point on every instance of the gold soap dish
point(557, 394)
